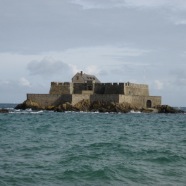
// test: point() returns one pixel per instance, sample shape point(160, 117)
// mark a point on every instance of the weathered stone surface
point(4, 111)
point(29, 104)
point(83, 105)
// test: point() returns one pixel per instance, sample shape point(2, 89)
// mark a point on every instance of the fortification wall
point(141, 101)
point(136, 89)
point(156, 100)
point(61, 88)
point(45, 100)
point(99, 88)
point(87, 92)
point(104, 98)
point(78, 88)
point(109, 88)
point(79, 97)
point(114, 88)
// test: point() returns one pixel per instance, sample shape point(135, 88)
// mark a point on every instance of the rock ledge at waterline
point(96, 106)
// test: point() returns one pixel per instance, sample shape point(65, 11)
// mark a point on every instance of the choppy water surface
point(47, 148)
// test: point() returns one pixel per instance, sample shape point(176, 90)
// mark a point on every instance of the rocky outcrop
point(28, 104)
point(4, 111)
point(167, 109)
point(98, 106)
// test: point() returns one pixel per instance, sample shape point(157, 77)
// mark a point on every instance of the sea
point(45, 148)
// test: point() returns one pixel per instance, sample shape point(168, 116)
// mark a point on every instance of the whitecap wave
point(38, 112)
point(135, 112)
point(27, 111)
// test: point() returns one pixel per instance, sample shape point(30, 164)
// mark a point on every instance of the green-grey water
point(48, 148)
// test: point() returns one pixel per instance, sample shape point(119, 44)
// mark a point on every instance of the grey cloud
point(48, 67)
point(41, 26)
point(97, 4)
point(178, 77)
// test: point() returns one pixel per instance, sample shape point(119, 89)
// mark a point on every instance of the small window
point(77, 78)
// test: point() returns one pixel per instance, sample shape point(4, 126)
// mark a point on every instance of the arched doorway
point(149, 104)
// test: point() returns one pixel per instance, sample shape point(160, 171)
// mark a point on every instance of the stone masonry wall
point(140, 101)
point(79, 97)
point(136, 89)
point(78, 88)
point(45, 100)
point(61, 88)
point(109, 88)
point(114, 88)
point(104, 98)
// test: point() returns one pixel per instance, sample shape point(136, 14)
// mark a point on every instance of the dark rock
point(28, 104)
point(4, 111)
point(99, 106)
point(168, 109)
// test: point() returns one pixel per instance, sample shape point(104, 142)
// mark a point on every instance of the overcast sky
point(140, 41)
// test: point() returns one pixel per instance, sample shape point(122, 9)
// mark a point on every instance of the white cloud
point(159, 84)
point(100, 60)
point(92, 70)
point(24, 82)
point(180, 22)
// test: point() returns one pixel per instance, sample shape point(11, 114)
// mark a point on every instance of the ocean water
point(84, 149)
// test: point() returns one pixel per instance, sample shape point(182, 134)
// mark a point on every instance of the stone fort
point(88, 87)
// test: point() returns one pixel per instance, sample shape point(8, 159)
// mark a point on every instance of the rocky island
point(87, 93)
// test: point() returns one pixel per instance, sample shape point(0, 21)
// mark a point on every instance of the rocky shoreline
point(109, 107)
point(4, 111)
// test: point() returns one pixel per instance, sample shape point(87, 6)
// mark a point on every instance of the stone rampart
point(78, 88)
point(79, 97)
point(136, 89)
point(61, 88)
point(45, 100)
point(109, 88)
point(114, 88)
point(104, 98)
point(141, 101)
point(99, 88)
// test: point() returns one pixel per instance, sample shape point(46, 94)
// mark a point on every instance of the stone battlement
point(136, 85)
point(60, 83)
point(99, 88)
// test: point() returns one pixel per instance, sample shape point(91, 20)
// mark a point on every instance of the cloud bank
point(48, 67)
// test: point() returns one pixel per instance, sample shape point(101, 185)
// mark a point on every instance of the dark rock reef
point(4, 111)
point(98, 106)
point(28, 104)
point(168, 109)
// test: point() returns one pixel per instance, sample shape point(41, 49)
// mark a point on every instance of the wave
point(135, 112)
point(18, 111)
